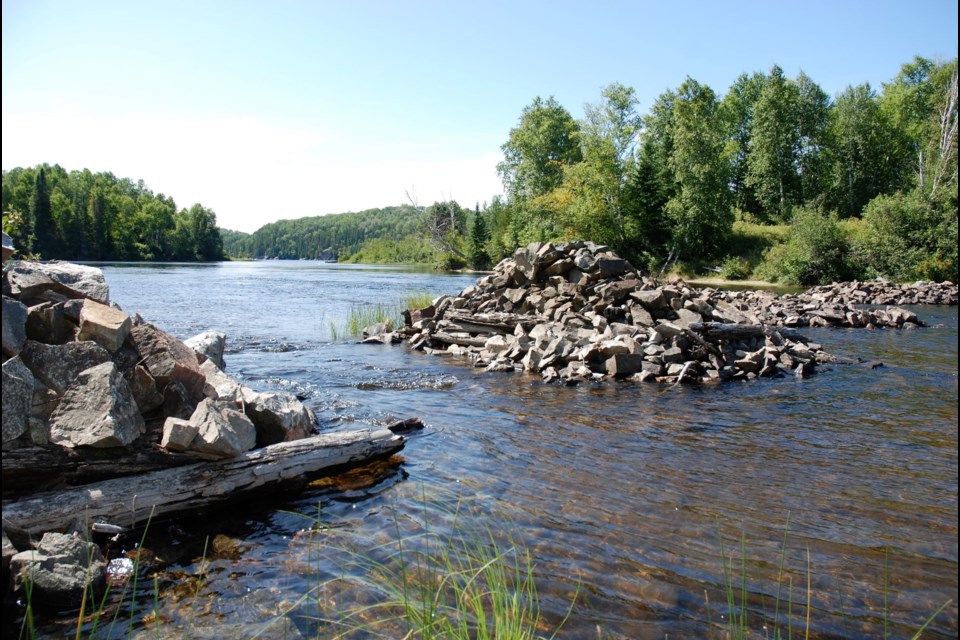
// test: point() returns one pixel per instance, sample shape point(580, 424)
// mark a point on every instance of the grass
point(738, 626)
point(365, 315)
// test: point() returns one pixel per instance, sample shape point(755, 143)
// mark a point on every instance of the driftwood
point(493, 321)
point(463, 341)
point(130, 501)
point(721, 331)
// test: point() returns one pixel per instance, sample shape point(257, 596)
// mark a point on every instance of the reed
point(364, 315)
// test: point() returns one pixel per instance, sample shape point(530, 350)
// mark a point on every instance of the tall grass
point(365, 315)
point(461, 582)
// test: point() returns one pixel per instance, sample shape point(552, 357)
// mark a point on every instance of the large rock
point(17, 399)
point(208, 346)
point(178, 434)
point(47, 323)
point(98, 410)
point(219, 386)
point(144, 388)
point(222, 431)
point(103, 324)
point(60, 570)
point(57, 366)
point(30, 279)
point(168, 359)
point(14, 326)
point(278, 416)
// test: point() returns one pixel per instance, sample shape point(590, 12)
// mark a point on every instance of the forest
point(773, 179)
point(79, 215)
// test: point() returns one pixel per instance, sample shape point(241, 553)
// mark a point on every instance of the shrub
point(735, 268)
point(816, 252)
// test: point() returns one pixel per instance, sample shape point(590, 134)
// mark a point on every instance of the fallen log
point(463, 341)
point(721, 331)
point(130, 501)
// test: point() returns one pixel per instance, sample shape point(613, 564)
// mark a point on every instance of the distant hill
point(334, 236)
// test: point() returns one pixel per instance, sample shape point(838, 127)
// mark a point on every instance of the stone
point(168, 359)
point(178, 434)
point(144, 388)
point(30, 279)
point(47, 323)
point(178, 402)
point(219, 385)
point(57, 366)
point(278, 416)
point(624, 364)
point(97, 410)
point(686, 317)
point(651, 299)
point(222, 431)
point(14, 326)
point(61, 570)
point(17, 399)
point(640, 316)
point(103, 324)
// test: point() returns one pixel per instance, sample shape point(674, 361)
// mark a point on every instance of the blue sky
point(283, 109)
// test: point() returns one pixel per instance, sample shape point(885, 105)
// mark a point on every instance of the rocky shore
point(90, 392)
point(577, 311)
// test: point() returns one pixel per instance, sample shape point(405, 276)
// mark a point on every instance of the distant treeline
point(79, 215)
point(335, 236)
point(867, 179)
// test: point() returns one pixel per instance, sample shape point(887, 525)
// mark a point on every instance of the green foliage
point(479, 259)
point(544, 142)
point(816, 252)
point(79, 215)
point(905, 237)
point(409, 250)
point(735, 268)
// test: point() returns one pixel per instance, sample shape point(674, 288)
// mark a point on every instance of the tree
point(479, 236)
point(700, 212)
point(444, 225)
point(737, 107)
point(775, 146)
point(539, 147)
point(44, 229)
point(595, 204)
point(814, 149)
point(864, 139)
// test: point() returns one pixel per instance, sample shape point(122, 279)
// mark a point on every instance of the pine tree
point(44, 228)
point(479, 235)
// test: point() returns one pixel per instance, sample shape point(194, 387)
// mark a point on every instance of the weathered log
point(498, 321)
point(463, 341)
point(130, 501)
point(722, 331)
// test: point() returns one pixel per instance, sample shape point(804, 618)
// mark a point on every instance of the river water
point(638, 504)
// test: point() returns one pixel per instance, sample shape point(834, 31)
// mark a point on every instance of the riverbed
point(639, 505)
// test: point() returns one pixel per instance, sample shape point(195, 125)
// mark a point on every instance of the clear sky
point(283, 109)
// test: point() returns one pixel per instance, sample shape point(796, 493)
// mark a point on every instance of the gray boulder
point(30, 279)
point(219, 386)
point(98, 410)
point(222, 431)
point(103, 324)
point(17, 399)
point(168, 359)
point(208, 346)
point(59, 570)
point(278, 416)
point(47, 323)
point(57, 366)
point(14, 326)
point(178, 434)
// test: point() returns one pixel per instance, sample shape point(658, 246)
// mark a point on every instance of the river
point(640, 504)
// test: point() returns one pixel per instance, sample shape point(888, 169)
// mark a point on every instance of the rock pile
point(78, 372)
point(577, 311)
point(878, 292)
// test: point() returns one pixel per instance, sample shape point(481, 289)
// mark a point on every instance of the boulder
point(17, 399)
point(103, 324)
point(57, 366)
point(222, 431)
point(47, 323)
point(14, 326)
point(30, 279)
point(624, 364)
point(60, 571)
point(178, 434)
point(168, 359)
point(208, 345)
point(144, 388)
point(278, 416)
point(219, 386)
point(97, 410)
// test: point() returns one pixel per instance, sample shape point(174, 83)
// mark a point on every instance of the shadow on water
point(635, 499)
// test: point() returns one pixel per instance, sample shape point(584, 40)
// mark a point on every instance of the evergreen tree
point(44, 229)
point(479, 236)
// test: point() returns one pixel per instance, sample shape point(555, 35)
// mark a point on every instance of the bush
point(905, 236)
point(735, 268)
point(816, 252)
